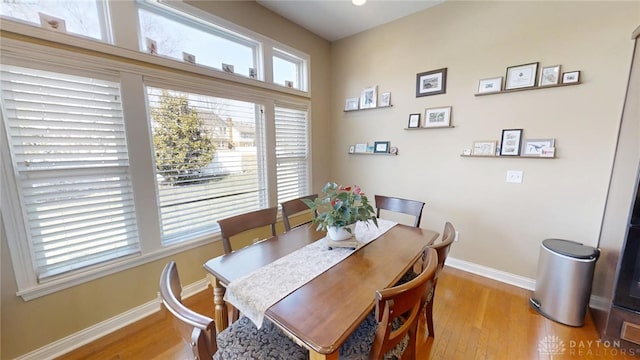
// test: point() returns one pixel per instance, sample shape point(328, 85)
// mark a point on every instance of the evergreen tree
point(183, 145)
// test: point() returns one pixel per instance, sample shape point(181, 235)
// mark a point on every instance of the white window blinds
point(292, 146)
point(209, 155)
point(71, 163)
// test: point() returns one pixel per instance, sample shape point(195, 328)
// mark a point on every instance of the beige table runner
point(253, 294)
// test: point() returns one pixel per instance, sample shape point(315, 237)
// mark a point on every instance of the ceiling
point(337, 19)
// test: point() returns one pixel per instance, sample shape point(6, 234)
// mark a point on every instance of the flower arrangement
point(340, 206)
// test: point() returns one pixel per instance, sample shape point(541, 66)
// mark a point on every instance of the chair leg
point(428, 315)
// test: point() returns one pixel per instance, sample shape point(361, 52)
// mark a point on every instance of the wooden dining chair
point(405, 206)
point(391, 329)
point(442, 248)
point(235, 225)
point(241, 340)
point(298, 209)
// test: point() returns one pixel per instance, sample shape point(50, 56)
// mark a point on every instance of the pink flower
point(357, 190)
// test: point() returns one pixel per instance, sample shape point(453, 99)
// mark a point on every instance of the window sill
point(62, 283)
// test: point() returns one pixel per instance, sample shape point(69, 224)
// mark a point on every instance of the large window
point(208, 157)
point(110, 159)
point(72, 169)
point(85, 17)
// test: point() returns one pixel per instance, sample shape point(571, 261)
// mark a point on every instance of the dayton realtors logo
point(553, 345)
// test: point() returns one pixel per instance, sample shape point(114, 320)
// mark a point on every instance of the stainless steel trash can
point(563, 283)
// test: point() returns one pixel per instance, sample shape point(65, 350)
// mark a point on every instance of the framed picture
point(227, 68)
point(380, 147)
point(414, 121)
point(368, 98)
point(550, 75)
point(361, 148)
point(385, 99)
point(52, 23)
point(571, 77)
point(352, 149)
point(437, 117)
point(152, 46)
point(535, 147)
point(490, 85)
point(351, 104)
point(511, 141)
point(189, 58)
point(431, 82)
point(521, 76)
point(484, 148)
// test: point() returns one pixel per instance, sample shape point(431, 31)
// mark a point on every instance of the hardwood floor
point(475, 318)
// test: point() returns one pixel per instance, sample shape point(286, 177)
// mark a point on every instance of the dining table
point(322, 311)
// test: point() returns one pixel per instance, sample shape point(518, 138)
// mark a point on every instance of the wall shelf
point(377, 107)
point(368, 153)
point(507, 157)
point(432, 127)
point(529, 88)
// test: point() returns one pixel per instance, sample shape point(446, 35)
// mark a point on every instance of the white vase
point(339, 233)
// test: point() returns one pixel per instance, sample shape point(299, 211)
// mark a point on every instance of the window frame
point(133, 78)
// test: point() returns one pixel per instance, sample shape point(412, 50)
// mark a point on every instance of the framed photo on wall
point(431, 82)
point(490, 85)
point(571, 77)
point(521, 76)
point(369, 98)
point(380, 147)
point(535, 147)
point(351, 104)
point(414, 121)
point(484, 148)
point(511, 141)
point(550, 75)
point(437, 117)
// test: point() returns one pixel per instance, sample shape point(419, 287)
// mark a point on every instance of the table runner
point(254, 293)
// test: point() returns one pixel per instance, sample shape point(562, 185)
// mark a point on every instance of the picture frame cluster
point(378, 147)
point(439, 117)
point(512, 143)
point(527, 76)
point(368, 99)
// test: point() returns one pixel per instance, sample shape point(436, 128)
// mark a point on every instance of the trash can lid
point(570, 248)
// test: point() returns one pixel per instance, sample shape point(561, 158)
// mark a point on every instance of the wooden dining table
point(321, 314)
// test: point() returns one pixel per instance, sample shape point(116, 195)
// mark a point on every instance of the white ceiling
point(336, 19)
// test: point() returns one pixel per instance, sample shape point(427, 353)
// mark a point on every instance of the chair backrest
point(294, 207)
point(197, 330)
point(240, 223)
point(405, 302)
point(405, 206)
point(443, 247)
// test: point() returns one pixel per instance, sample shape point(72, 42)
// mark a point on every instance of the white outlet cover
point(514, 176)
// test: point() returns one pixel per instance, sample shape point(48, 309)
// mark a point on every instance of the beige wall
point(501, 225)
point(27, 326)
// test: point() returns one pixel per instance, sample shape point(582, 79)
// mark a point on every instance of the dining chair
point(405, 206)
point(442, 248)
point(390, 331)
point(294, 208)
point(235, 225)
point(241, 340)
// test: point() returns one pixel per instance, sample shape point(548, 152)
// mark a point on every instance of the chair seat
point(243, 340)
point(358, 345)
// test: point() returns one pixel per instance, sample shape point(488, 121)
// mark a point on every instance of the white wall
point(501, 225)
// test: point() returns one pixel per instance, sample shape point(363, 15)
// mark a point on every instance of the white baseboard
point(83, 337)
point(498, 275)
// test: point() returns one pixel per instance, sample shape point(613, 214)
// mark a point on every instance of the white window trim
point(39, 56)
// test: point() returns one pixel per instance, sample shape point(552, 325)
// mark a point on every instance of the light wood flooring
point(475, 318)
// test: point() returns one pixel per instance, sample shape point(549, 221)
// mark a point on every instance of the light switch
point(514, 176)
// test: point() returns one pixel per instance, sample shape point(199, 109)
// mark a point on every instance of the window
point(176, 33)
point(71, 163)
point(81, 17)
point(287, 68)
point(198, 182)
point(292, 152)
